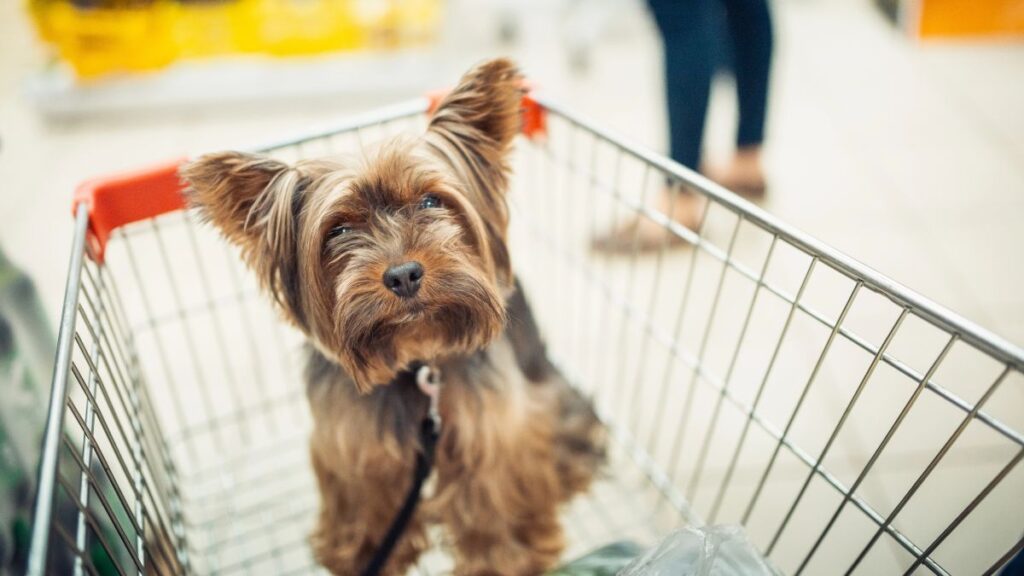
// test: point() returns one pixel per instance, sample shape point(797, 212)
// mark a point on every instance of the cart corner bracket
point(119, 199)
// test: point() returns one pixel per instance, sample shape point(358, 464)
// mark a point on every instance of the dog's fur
point(517, 440)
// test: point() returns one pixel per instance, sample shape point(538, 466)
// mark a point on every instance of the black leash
point(430, 430)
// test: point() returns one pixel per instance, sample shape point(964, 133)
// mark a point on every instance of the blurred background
point(894, 137)
point(895, 128)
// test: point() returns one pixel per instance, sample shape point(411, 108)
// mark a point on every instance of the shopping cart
point(756, 376)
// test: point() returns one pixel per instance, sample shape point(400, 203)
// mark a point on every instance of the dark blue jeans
point(694, 46)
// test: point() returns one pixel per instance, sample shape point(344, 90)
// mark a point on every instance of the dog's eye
point(430, 201)
point(339, 231)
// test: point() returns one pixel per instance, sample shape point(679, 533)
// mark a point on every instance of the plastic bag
point(707, 551)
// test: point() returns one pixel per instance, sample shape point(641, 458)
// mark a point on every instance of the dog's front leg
point(356, 511)
point(503, 512)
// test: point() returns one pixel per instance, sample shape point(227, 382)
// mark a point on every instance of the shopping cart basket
point(756, 376)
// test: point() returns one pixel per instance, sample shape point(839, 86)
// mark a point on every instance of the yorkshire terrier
point(398, 262)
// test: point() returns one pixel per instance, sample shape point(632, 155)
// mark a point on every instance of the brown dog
point(399, 261)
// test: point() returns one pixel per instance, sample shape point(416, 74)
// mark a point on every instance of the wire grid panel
point(745, 380)
point(116, 506)
point(762, 381)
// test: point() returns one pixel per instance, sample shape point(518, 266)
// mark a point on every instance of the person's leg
point(750, 29)
point(750, 26)
point(688, 34)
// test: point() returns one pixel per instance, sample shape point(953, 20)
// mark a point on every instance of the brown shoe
point(749, 189)
point(743, 175)
point(640, 234)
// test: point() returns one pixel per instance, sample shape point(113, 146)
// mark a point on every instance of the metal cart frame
point(119, 460)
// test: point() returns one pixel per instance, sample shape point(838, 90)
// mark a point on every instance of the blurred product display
point(102, 37)
point(27, 345)
point(26, 354)
point(978, 18)
point(938, 19)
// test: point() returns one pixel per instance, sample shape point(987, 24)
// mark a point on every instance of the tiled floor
point(909, 157)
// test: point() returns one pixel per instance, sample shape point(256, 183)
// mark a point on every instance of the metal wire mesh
point(752, 376)
point(761, 378)
point(116, 505)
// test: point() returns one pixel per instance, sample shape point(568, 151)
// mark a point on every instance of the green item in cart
point(605, 561)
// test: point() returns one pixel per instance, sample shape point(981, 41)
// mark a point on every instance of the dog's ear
point(254, 200)
point(472, 131)
point(227, 188)
point(483, 112)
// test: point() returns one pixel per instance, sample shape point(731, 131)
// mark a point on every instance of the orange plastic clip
point(121, 199)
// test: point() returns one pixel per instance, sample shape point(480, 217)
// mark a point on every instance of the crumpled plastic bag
point(705, 551)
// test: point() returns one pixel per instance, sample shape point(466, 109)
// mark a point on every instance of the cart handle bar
point(116, 200)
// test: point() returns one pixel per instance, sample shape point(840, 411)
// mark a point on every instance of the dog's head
point(400, 259)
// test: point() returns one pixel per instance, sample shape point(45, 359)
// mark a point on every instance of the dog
point(401, 261)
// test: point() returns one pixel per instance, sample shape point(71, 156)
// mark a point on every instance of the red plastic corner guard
point(535, 122)
point(119, 199)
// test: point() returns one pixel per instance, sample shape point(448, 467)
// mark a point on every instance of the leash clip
point(428, 379)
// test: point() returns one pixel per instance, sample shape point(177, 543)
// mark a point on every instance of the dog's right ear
point(233, 191)
point(472, 131)
point(482, 114)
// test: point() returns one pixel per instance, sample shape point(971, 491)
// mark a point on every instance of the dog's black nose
point(404, 279)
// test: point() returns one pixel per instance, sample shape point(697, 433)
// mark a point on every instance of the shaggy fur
point(517, 440)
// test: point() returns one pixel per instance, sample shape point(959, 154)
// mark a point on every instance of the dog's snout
point(404, 279)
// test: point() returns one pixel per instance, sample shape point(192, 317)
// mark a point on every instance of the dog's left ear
point(252, 199)
point(472, 130)
point(236, 192)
